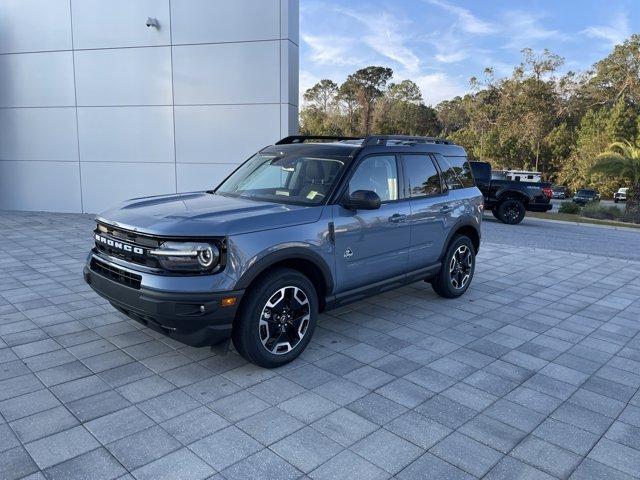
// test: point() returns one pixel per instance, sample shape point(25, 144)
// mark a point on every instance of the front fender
point(284, 252)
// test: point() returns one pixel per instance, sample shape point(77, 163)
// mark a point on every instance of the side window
point(456, 172)
point(422, 176)
point(379, 174)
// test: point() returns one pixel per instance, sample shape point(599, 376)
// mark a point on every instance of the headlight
point(187, 256)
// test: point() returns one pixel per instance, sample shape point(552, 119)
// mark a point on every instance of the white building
point(97, 107)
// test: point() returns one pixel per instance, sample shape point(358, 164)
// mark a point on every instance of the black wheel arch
point(463, 227)
point(511, 195)
point(306, 261)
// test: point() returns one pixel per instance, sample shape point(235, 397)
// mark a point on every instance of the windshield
point(284, 178)
point(586, 192)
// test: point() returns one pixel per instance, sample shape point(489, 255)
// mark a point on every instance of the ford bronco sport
point(302, 226)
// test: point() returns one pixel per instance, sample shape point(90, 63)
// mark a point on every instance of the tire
point(615, 200)
point(270, 305)
point(511, 211)
point(494, 212)
point(444, 284)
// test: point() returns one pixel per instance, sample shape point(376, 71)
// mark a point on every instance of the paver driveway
point(534, 373)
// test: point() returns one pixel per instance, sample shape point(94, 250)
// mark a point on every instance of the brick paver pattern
point(534, 373)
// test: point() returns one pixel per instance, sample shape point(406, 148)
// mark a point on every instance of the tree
point(622, 161)
point(622, 122)
point(529, 104)
point(368, 85)
point(322, 95)
point(320, 116)
point(348, 101)
point(617, 75)
point(591, 140)
point(402, 111)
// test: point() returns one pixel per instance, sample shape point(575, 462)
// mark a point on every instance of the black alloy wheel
point(284, 320)
point(276, 319)
point(511, 212)
point(457, 269)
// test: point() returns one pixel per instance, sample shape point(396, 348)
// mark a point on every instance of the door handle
point(397, 218)
point(446, 209)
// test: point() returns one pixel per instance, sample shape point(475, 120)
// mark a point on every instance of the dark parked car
point(586, 195)
point(508, 200)
point(302, 226)
point(559, 192)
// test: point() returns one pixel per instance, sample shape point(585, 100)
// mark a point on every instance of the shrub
point(630, 216)
point(595, 210)
point(569, 207)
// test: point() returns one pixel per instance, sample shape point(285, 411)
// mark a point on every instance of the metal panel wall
point(96, 107)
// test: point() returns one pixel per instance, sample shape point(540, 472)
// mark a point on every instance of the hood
point(205, 214)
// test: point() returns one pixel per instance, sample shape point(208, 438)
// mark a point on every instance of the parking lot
point(533, 374)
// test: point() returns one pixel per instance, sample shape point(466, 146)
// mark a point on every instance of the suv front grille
point(116, 274)
point(131, 238)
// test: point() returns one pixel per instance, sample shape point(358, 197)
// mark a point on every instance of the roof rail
point(370, 140)
point(302, 138)
point(402, 140)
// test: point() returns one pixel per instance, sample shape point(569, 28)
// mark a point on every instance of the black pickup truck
point(508, 199)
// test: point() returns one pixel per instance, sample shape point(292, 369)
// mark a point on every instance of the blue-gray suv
point(304, 225)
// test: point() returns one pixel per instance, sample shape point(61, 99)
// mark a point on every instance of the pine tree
point(623, 122)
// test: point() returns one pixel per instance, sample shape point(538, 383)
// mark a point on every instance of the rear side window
point(422, 176)
point(456, 172)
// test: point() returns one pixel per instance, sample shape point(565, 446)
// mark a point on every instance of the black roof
point(366, 140)
point(340, 145)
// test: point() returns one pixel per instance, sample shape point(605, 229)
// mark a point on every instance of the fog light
point(228, 301)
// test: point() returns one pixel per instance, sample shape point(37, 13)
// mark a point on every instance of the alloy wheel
point(460, 267)
point(511, 213)
point(284, 320)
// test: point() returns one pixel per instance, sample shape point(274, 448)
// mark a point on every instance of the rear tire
point(457, 269)
point(615, 200)
point(511, 211)
point(277, 318)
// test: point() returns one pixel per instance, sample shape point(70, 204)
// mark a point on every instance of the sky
point(440, 44)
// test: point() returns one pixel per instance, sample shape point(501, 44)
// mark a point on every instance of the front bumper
point(194, 318)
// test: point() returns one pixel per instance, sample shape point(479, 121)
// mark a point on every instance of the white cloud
point(306, 80)
point(436, 87)
point(452, 56)
point(449, 46)
point(614, 33)
point(331, 50)
point(525, 30)
point(385, 35)
point(467, 20)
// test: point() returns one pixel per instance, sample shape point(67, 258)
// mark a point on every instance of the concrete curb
point(581, 224)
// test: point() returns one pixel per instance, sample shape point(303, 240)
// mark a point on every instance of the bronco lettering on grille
point(115, 244)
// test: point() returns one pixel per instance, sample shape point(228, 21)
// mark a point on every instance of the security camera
point(152, 22)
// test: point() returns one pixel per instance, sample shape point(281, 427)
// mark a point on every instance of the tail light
point(548, 192)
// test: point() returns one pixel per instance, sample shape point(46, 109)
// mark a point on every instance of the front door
point(372, 245)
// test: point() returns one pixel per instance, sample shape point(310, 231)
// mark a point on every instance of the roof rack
point(380, 140)
point(402, 140)
point(304, 138)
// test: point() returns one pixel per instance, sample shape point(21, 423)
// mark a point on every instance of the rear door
point(373, 245)
point(429, 208)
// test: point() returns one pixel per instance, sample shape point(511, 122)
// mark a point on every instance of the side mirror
point(362, 200)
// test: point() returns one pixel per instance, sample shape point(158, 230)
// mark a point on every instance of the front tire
point(511, 212)
point(277, 318)
point(458, 267)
